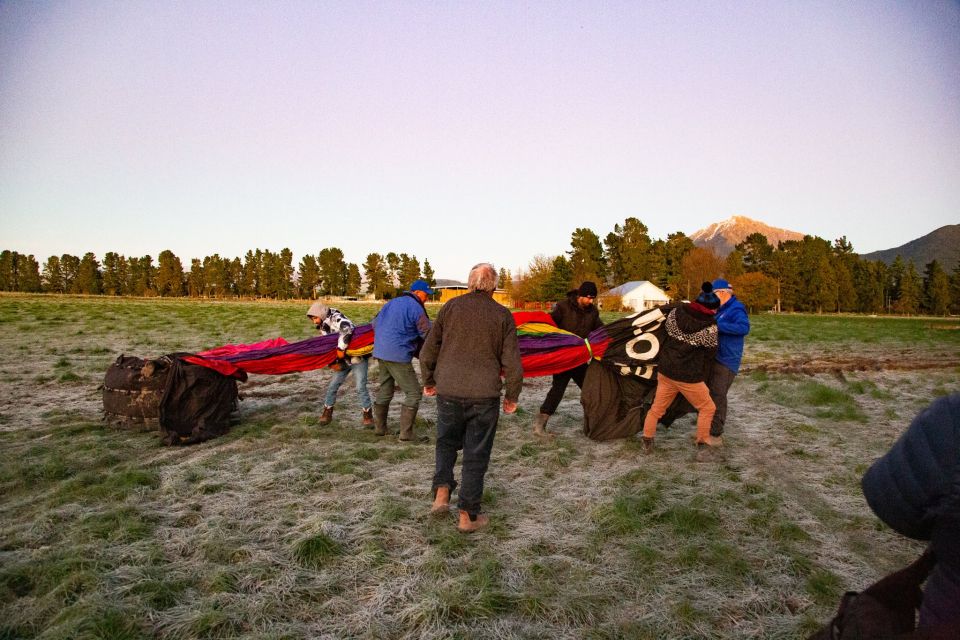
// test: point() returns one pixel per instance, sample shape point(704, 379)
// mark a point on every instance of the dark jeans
point(468, 424)
point(559, 387)
point(719, 383)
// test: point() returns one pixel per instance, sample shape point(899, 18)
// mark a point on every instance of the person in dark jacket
point(915, 489)
point(732, 325)
point(473, 339)
point(685, 360)
point(577, 314)
point(399, 330)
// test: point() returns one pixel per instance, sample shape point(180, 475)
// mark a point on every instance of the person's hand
point(509, 406)
point(430, 391)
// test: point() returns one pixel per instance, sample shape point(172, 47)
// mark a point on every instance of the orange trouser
point(695, 392)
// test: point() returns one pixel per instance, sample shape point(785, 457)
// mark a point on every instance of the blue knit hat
point(707, 297)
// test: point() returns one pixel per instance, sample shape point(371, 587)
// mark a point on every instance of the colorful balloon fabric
point(544, 350)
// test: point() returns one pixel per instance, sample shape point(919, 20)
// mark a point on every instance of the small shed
point(639, 295)
point(449, 292)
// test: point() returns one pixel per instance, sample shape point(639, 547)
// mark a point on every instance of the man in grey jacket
point(472, 340)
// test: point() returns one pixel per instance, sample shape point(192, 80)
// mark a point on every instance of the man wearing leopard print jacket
point(686, 357)
point(329, 321)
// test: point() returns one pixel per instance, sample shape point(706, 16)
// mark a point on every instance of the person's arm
point(557, 314)
point(510, 364)
point(345, 329)
point(428, 356)
point(735, 322)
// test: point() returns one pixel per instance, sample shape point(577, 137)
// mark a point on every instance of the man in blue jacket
point(732, 325)
point(399, 331)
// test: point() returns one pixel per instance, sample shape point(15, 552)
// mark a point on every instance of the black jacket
point(915, 488)
point(691, 345)
point(570, 316)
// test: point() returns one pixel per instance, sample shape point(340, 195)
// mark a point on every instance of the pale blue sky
point(470, 131)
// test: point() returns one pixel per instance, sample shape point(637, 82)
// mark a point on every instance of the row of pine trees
point(261, 274)
point(811, 274)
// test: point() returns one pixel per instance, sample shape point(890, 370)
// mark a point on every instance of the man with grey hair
point(473, 339)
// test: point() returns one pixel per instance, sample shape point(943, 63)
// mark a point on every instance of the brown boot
point(380, 419)
point(469, 525)
point(408, 417)
point(540, 426)
point(367, 416)
point(327, 416)
point(441, 501)
point(647, 445)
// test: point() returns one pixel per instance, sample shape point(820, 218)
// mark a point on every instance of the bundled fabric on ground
point(619, 387)
point(198, 403)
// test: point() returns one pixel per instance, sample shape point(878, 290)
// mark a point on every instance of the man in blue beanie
point(732, 325)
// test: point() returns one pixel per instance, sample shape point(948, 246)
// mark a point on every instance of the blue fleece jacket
point(732, 325)
point(399, 329)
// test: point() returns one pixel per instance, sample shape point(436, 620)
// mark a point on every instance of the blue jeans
point(359, 376)
point(469, 424)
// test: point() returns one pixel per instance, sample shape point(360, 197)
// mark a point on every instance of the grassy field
point(285, 529)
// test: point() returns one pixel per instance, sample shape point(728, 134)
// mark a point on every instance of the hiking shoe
point(367, 416)
point(327, 416)
point(469, 524)
point(441, 503)
point(706, 453)
point(647, 445)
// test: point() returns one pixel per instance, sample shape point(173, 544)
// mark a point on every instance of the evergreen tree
point(428, 274)
point(169, 274)
point(308, 277)
point(677, 247)
point(587, 261)
point(28, 273)
point(757, 253)
point(88, 275)
point(936, 289)
point(733, 265)
point(393, 272)
point(8, 278)
point(560, 280)
point(377, 275)
point(911, 291)
point(196, 281)
point(354, 281)
point(955, 289)
point(250, 275)
point(409, 270)
point(70, 267)
point(333, 272)
point(629, 252)
point(52, 279)
point(114, 283)
point(869, 281)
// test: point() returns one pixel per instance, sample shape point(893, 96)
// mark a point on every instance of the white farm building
point(640, 295)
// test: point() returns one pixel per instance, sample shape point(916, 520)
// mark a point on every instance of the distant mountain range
point(942, 245)
point(722, 237)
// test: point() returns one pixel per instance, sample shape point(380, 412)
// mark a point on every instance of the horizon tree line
point(808, 275)
point(261, 274)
